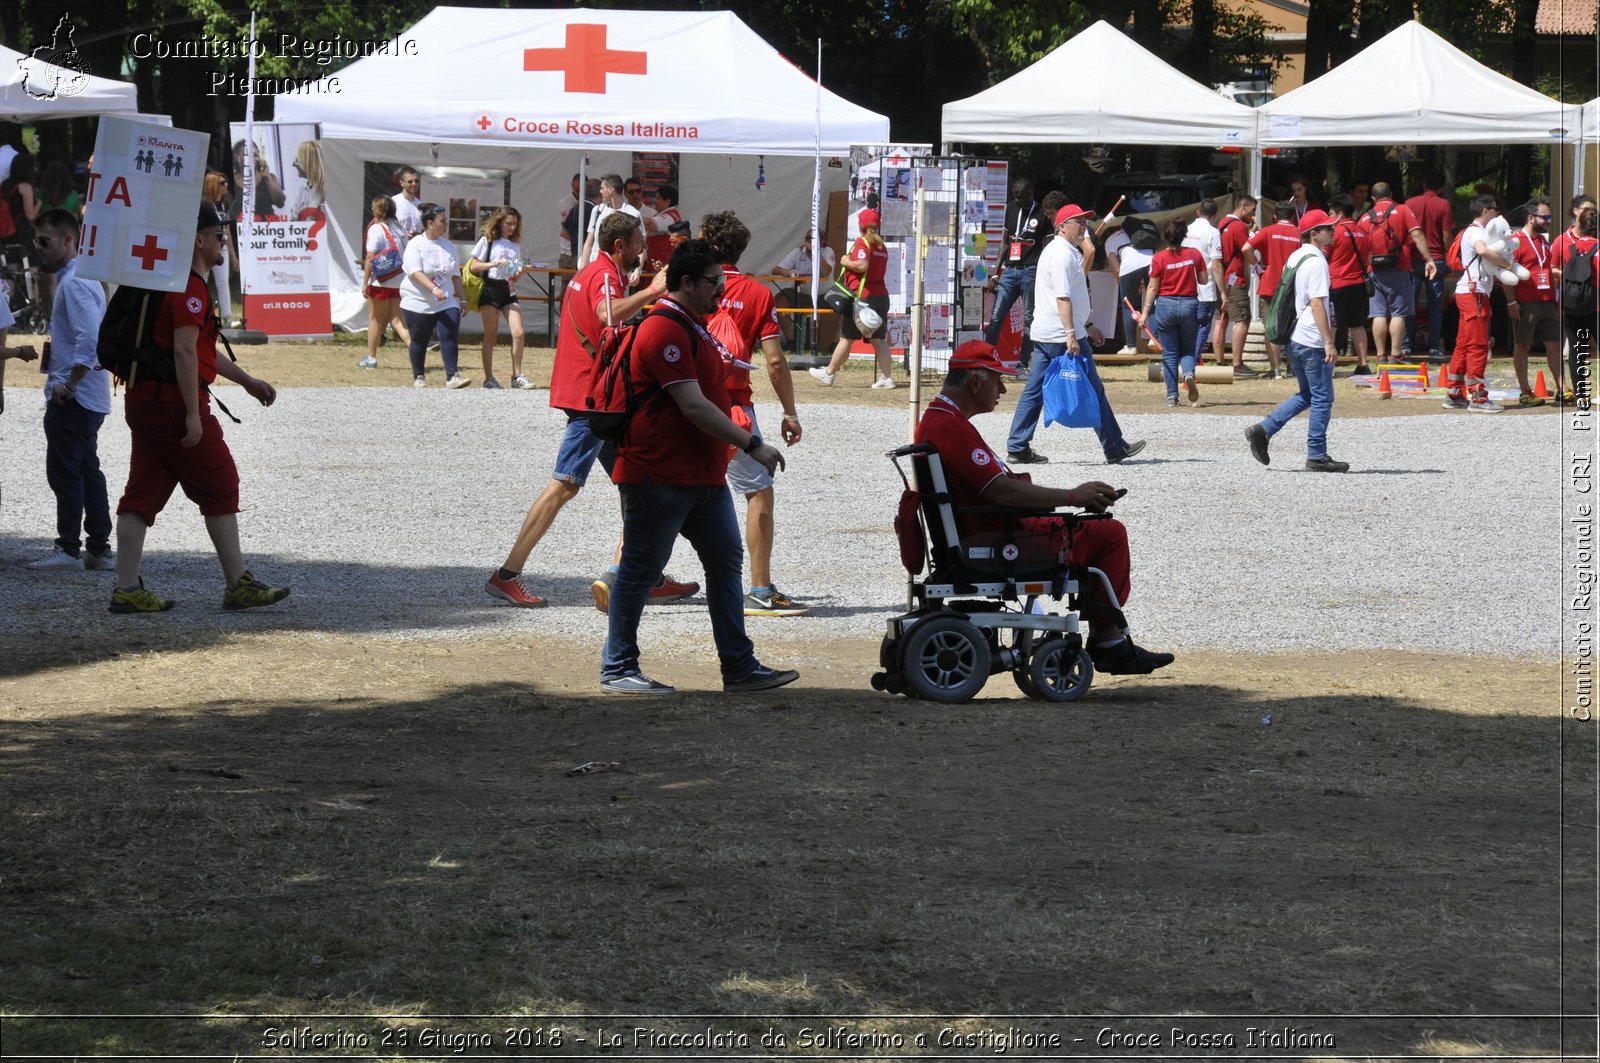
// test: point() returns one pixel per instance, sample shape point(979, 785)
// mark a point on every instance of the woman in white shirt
point(430, 297)
point(386, 245)
point(497, 257)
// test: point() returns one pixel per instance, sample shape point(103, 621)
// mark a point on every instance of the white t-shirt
point(503, 248)
point(567, 203)
point(798, 262)
point(406, 215)
point(1059, 272)
point(378, 236)
point(1204, 238)
point(1311, 281)
point(1129, 258)
point(1476, 278)
point(599, 215)
point(437, 259)
point(7, 153)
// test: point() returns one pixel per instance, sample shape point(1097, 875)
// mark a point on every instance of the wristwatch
point(755, 442)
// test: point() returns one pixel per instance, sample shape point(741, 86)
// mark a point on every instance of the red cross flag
point(140, 206)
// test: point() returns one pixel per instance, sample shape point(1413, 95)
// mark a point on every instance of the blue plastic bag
point(1069, 398)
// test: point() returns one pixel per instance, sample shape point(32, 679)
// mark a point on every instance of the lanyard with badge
point(1541, 257)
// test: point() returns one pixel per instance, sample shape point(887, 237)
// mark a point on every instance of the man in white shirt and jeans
point(1060, 325)
point(1311, 351)
point(611, 201)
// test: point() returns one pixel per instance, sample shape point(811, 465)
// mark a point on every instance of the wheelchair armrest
point(912, 448)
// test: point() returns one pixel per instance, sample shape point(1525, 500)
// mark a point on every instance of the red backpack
point(1452, 255)
point(8, 224)
point(612, 400)
point(1382, 240)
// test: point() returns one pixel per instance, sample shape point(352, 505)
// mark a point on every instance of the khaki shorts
point(1238, 302)
point(1537, 322)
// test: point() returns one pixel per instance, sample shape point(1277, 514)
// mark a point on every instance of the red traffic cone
point(1385, 390)
point(1540, 388)
point(1444, 383)
point(1422, 375)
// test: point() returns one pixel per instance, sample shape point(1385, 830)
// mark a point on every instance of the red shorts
point(380, 293)
point(159, 462)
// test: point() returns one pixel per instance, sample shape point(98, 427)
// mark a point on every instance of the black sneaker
point(1125, 658)
point(763, 678)
point(1245, 371)
point(1027, 457)
point(1362, 370)
point(1258, 443)
point(1326, 465)
point(1133, 449)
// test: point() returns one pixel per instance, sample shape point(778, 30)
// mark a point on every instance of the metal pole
point(918, 250)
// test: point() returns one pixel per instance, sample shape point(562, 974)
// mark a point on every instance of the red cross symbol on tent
point(586, 60)
point(149, 252)
point(484, 122)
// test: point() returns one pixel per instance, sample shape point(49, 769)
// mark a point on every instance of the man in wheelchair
point(977, 477)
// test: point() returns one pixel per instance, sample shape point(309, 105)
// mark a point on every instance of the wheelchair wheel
point(945, 659)
point(1060, 670)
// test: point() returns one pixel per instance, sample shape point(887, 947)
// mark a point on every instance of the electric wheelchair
point(982, 608)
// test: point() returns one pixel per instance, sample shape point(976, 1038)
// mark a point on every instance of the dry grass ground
point(295, 828)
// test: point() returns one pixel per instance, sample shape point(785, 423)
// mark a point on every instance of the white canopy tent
point(32, 89)
point(1099, 86)
point(498, 89)
point(1588, 140)
point(1414, 87)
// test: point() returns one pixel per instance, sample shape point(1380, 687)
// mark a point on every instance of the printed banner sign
point(139, 212)
point(283, 252)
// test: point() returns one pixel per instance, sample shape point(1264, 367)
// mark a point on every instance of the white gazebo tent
point(1588, 139)
point(541, 93)
point(1414, 87)
point(32, 89)
point(1099, 86)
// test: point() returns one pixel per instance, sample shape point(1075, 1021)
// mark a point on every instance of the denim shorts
point(1392, 294)
point(746, 476)
point(579, 449)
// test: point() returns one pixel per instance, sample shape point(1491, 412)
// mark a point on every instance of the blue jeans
point(421, 327)
point(1206, 311)
point(1435, 308)
point(1013, 283)
point(1031, 403)
point(1315, 375)
point(579, 448)
point(72, 468)
point(1176, 323)
point(653, 516)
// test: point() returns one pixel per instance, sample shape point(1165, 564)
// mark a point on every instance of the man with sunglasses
point(77, 397)
point(672, 471)
point(1532, 306)
point(177, 441)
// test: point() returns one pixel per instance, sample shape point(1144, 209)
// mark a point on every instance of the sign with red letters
point(140, 204)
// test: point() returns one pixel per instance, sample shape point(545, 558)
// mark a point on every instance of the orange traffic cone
point(1444, 383)
point(1540, 388)
point(1385, 390)
point(1422, 375)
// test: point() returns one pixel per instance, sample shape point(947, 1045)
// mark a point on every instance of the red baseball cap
point(1314, 219)
point(980, 354)
point(870, 217)
point(1070, 211)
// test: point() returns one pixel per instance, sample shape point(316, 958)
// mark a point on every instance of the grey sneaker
point(1132, 450)
point(770, 601)
point(637, 683)
point(763, 678)
point(1454, 402)
point(493, 385)
point(368, 362)
point(56, 558)
point(95, 562)
point(1484, 405)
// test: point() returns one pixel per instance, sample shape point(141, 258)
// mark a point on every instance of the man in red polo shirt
point(1269, 249)
point(1235, 232)
point(595, 297)
point(1535, 317)
point(977, 476)
point(1347, 279)
point(747, 318)
point(1433, 213)
point(1392, 233)
point(177, 441)
point(671, 469)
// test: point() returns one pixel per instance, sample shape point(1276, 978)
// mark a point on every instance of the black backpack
point(1382, 241)
point(127, 346)
point(612, 403)
point(1577, 281)
point(1142, 233)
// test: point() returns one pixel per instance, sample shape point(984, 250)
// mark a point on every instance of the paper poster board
point(141, 204)
point(283, 254)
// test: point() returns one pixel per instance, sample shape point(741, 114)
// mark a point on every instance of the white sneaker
point(94, 562)
point(1128, 350)
point(57, 558)
point(521, 383)
point(821, 376)
point(883, 383)
point(368, 362)
point(457, 381)
point(419, 382)
point(1485, 406)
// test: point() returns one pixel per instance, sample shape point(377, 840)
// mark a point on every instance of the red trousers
point(1470, 361)
point(1101, 544)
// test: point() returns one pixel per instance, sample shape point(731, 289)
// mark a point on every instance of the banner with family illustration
point(282, 215)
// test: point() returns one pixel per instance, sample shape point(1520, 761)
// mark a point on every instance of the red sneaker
point(670, 590)
point(513, 591)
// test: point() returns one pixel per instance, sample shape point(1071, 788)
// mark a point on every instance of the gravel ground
point(385, 509)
